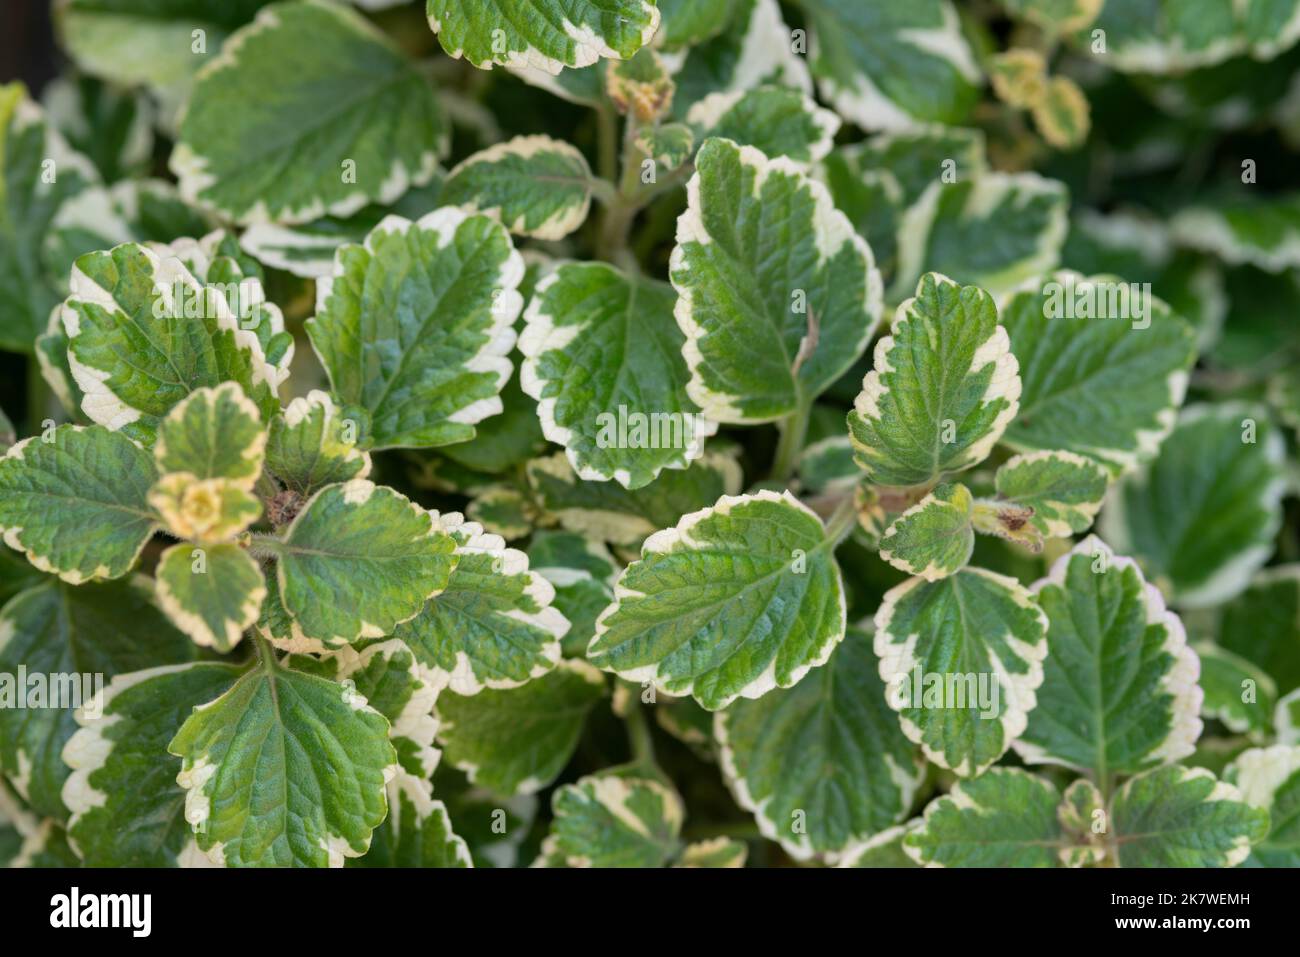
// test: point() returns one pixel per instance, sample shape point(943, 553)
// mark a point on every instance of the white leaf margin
point(493, 355)
point(665, 542)
point(831, 232)
point(1181, 681)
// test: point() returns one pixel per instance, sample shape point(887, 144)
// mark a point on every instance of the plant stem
point(607, 141)
point(38, 396)
point(793, 429)
point(842, 520)
point(620, 213)
point(265, 653)
point(264, 546)
point(638, 736)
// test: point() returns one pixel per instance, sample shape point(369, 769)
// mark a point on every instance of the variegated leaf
point(735, 600)
point(764, 263)
point(415, 325)
point(942, 390)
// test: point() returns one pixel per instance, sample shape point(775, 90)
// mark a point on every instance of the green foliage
point(621, 433)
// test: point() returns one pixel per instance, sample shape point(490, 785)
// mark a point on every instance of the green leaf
point(1062, 114)
point(1237, 693)
point(1261, 232)
point(1138, 247)
point(828, 465)
point(122, 774)
point(502, 510)
point(284, 769)
point(218, 261)
point(603, 358)
point(493, 626)
point(880, 850)
point(143, 334)
point(735, 600)
point(1182, 817)
point(309, 447)
point(1262, 624)
point(890, 65)
point(994, 230)
point(1119, 691)
point(942, 390)
point(76, 505)
point(933, 538)
point(504, 442)
point(1003, 818)
point(416, 833)
point(823, 764)
point(1063, 489)
point(535, 185)
point(358, 560)
point(342, 121)
point(45, 182)
point(307, 249)
point(495, 829)
point(687, 722)
point(154, 209)
point(111, 127)
point(1018, 77)
point(717, 852)
point(130, 43)
point(641, 86)
point(582, 572)
point(776, 120)
point(414, 326)
point(584, 86)
point(213, 433)
point(1269, 778)
point(1099, 379)
point(1284, 397)
point(764, 263)
point(208, 511)
point(876, 181)
point(44, 844)
point(613, 821)
point(1055, 16)
point(1286, 719)
point(75, 637)
point(669, 145)
point(518, 740)
point(686, 23)
point(543, 34)
point(1174, 37)
point(961, 658)
point(212, 593)
point(277, 626)
point(387, 675)
point(1203, 515)
point(754, 48)
point(607, 511)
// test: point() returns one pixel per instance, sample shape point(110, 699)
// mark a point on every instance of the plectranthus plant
point(711, 433)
